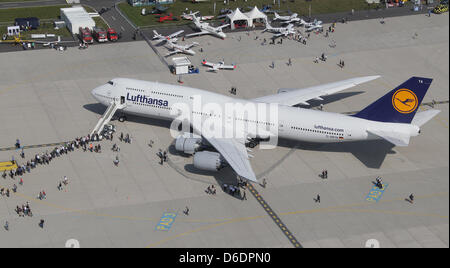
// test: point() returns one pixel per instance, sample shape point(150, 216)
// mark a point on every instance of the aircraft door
point(122, 99)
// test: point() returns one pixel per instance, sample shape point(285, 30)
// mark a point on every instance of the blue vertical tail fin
point(399, 105)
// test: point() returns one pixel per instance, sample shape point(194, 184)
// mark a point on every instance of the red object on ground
point(100, 35)
point(167, 17)
point(112, 35)
point(86, 35)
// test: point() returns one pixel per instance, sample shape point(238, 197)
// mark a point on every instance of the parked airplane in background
point(287, 19)
point(186, 49)
point(56, 42)
point(392, 117)
point(19, 41)
point(312, 26)
point(218, 66)
point(279, 31)
point(205, 28)
point(189, 17)
point(162, 38)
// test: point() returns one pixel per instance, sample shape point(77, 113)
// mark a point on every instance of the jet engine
point(206, 160)
point(188, 143)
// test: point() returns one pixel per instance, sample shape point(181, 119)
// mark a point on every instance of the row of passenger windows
point(167, 94)
point(256, 121)
point(316, 131)
point(152, 105)
point(135, 89)
point(241, 119)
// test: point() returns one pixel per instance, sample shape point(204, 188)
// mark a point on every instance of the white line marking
point(113, 17)
point(123, 29)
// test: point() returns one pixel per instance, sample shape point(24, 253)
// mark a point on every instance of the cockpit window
point(111, 83)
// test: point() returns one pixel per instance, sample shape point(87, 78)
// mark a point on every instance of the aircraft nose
point(98, 92)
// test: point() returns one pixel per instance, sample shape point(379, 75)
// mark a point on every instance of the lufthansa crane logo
point(404, 101)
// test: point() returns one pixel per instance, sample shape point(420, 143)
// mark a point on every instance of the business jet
point(279, 31)
point(392, 117)
point(186, 49)
point(213, 67)
point(205, 28)
point(162, 38)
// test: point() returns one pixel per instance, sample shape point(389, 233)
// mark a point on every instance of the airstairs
point(108, 114)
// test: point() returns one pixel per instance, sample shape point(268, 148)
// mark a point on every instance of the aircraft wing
point(223, 26)
point(235, 153)
point(209, 64)
point(175, 51)
point(228, 67)
point(176, 33)
point(290, 97)
point(278, 34)
point(191, 45)
point(198, 33)
point(213, 68)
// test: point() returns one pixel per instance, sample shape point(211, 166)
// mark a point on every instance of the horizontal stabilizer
point(423, 117)
point(396, 138)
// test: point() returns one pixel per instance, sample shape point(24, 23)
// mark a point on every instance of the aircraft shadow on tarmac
point(370, 153)
point(225, 176)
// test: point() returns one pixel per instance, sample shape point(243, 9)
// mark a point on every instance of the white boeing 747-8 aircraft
point(392, 117)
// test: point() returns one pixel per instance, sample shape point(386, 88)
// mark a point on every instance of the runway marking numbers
point(376, 193)
point(166, 221)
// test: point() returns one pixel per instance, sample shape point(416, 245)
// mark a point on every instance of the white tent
point(76, 17)
point(237, 15)
point(255, 14)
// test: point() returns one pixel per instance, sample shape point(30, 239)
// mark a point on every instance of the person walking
point(317, 198)
point(6, 226)
point(411, 198)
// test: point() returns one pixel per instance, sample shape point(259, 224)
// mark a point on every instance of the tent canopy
point(237, 15)
point(255, 13)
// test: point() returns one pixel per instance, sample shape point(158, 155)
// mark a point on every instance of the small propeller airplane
point(312, 26)
point(287, 19)
point(214, 67)
point(161, 38)
point(55, 42)
point(180, 49)
point(19, 41)
point(279, 31)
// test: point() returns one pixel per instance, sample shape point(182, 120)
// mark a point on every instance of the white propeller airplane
point(287, 19)
point(55, 42)
point(279, 31)
point(312, 26)
point(213, 67)
point(186, 49)
point(392, 117)
point(161, 38)
point(205, 28)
